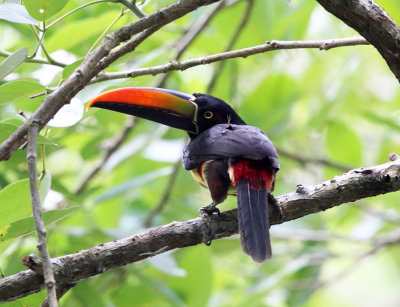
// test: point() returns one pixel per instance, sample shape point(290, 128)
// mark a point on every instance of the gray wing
point(229, 141)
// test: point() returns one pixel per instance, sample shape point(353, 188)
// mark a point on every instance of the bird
point(223, 154)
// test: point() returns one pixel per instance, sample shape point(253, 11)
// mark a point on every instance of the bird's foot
point(205, 213)
point(276, 207)
point(209, 210)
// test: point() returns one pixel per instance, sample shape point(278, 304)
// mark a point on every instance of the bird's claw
point(210, 209)
point(206, 213)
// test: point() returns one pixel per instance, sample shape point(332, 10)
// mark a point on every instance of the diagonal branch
point(94, 63)
point(351, 186)
point(239, 53)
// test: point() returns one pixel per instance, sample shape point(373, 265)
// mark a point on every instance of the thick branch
point(93, 64)
point(239, 53)
point(351, 186)
point(373, 23)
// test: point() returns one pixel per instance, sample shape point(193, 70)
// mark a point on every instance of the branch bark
point(239, 53)
point(37, 214)
point(373, 23)
point(351, 186)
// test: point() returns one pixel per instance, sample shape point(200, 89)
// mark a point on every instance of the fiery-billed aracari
point(224, 154)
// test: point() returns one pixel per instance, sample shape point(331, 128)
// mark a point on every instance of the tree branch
point(97, 61)
point(373, 23)
point(351, 186)
point(47, 271)
point(239, 53)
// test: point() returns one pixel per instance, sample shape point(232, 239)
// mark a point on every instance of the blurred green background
point(339, 106)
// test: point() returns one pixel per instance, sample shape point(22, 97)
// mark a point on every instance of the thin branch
point(354, 185)
point(165, 197)
point(235, 37)
point(239, 53)
point(95, 63)
point(115, 143)
point(305, 160)
point(47, 272)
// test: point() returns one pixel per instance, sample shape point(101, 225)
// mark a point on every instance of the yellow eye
point(208, 114)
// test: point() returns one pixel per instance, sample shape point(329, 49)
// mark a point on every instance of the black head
point(213, 111)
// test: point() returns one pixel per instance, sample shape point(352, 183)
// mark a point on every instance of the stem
point(31, 60)
point(132, 6)
point(46, 54)
point(73, 11)
point(122, 13)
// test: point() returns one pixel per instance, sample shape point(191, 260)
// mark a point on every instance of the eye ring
point(208, 114)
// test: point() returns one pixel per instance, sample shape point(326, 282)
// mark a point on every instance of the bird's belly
point(199, 179)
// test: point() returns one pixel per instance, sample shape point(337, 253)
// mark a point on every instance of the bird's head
point(192, 113)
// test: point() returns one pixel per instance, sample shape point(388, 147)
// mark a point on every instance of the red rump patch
point(255, 172)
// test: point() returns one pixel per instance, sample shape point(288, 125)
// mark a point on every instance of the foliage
point(339, 105)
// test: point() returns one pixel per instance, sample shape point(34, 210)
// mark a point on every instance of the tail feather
point(253, 221)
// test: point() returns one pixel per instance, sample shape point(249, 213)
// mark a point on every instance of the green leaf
point(44, 9)
point(16, 13)
point(15, 204)
point(12, 62)
point(17, 91)
point(343, 143)
point(27, 225)
point(6, 130)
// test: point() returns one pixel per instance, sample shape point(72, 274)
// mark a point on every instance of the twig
point(116, 142)
point(239, 53)
point(354, 185)
point(49, 280)
point(305, 160)
point(164, 199)
point(235, 37)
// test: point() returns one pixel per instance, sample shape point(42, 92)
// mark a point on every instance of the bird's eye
point(208, 114)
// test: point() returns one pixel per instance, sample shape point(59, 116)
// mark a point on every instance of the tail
point(253, 221)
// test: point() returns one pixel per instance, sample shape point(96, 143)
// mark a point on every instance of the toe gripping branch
point(206, 213)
